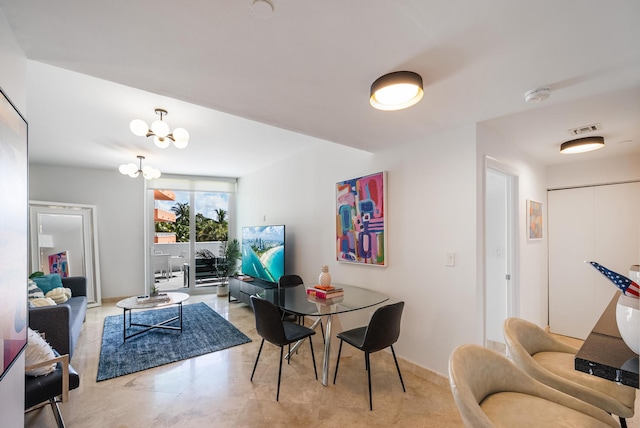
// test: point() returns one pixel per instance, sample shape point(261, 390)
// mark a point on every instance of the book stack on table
point(159, 298)
point(325, 292)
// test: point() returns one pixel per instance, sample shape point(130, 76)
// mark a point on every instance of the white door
point(598, 223)
point(500, 220)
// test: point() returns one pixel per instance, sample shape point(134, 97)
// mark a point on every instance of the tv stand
point(241, 291)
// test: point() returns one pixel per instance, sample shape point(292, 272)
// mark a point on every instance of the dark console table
point(243, 290)
point(605, 354)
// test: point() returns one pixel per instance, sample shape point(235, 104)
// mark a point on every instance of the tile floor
point(214, 389)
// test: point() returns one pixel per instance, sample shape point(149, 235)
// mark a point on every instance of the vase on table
point(628, 315)
point(325, 276)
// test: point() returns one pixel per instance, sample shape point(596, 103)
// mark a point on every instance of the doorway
point(500, 284)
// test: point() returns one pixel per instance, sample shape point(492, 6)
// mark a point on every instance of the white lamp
point(396, 91)
point(160, 132)
point(628, 315)
point(133, 170)
point(582, 145)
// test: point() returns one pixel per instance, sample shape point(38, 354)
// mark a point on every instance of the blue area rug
point(203, 331)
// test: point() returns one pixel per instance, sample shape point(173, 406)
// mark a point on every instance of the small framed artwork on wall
point(361, 227)
point(534, 220)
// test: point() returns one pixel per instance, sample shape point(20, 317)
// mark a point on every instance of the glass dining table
point(297, 301)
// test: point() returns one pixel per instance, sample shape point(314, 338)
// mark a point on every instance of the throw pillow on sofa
point(48, 282)
point(38, 351)
point(59, 295)
point(41, 301)
point(33, 291)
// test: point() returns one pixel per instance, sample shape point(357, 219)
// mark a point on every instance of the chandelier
point(133, 170)
point(160, 132)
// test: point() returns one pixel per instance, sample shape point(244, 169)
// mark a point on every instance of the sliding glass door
point(189, 225)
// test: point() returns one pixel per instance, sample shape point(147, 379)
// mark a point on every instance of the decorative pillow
point(38, 351)
point(48, 282)
point(59, 295)
point(42, 301)
point(34, 291)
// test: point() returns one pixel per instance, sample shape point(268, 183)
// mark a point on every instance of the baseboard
point(424, 373)
point(406, 365)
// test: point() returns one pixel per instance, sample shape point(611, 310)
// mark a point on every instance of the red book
point(322, 294)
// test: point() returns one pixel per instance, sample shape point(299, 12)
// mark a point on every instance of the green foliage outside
point(207, 229)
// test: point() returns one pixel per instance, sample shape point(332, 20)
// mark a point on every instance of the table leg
point(160, 325)
point(327, 352)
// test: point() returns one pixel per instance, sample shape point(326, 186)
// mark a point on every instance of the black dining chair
point(289, 281)
point(292, 280)
point(273, 329)
point(382, 332)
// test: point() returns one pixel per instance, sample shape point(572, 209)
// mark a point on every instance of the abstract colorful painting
point(13, 234)
point(534, 220)
point(361, 226)
point(59, 263)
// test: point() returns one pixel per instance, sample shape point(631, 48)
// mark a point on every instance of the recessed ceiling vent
point(585, 129)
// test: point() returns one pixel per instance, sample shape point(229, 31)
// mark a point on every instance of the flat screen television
point(263, 252)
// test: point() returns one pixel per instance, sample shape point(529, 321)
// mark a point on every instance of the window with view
point(189, 220)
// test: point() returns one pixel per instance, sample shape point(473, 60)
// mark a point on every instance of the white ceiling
point(307, 70)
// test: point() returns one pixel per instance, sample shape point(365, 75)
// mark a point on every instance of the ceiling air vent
point(585, 129)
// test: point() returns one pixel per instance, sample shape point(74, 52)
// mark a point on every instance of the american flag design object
point(627, 286)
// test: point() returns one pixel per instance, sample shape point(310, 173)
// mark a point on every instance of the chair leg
point(398, 367)
point(313, 357)
point(623, 423)
point(366, 357)
point(322, 330)
point(280, 372)
point(289, 353)
point(335, 374)
point(56, 412)
point(257, 358)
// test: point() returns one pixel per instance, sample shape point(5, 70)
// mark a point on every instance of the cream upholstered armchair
point(552, 362)
point(490, 391)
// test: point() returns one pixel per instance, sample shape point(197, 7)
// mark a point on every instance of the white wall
point(13, 66)
point(119, 202)
point(612, 170)
point(431, 209)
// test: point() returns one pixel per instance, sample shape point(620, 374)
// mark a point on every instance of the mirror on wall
point(63, 239)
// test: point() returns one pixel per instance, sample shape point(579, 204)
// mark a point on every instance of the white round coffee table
point(151, 302)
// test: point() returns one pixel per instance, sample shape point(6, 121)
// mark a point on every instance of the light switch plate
point(450, 258)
